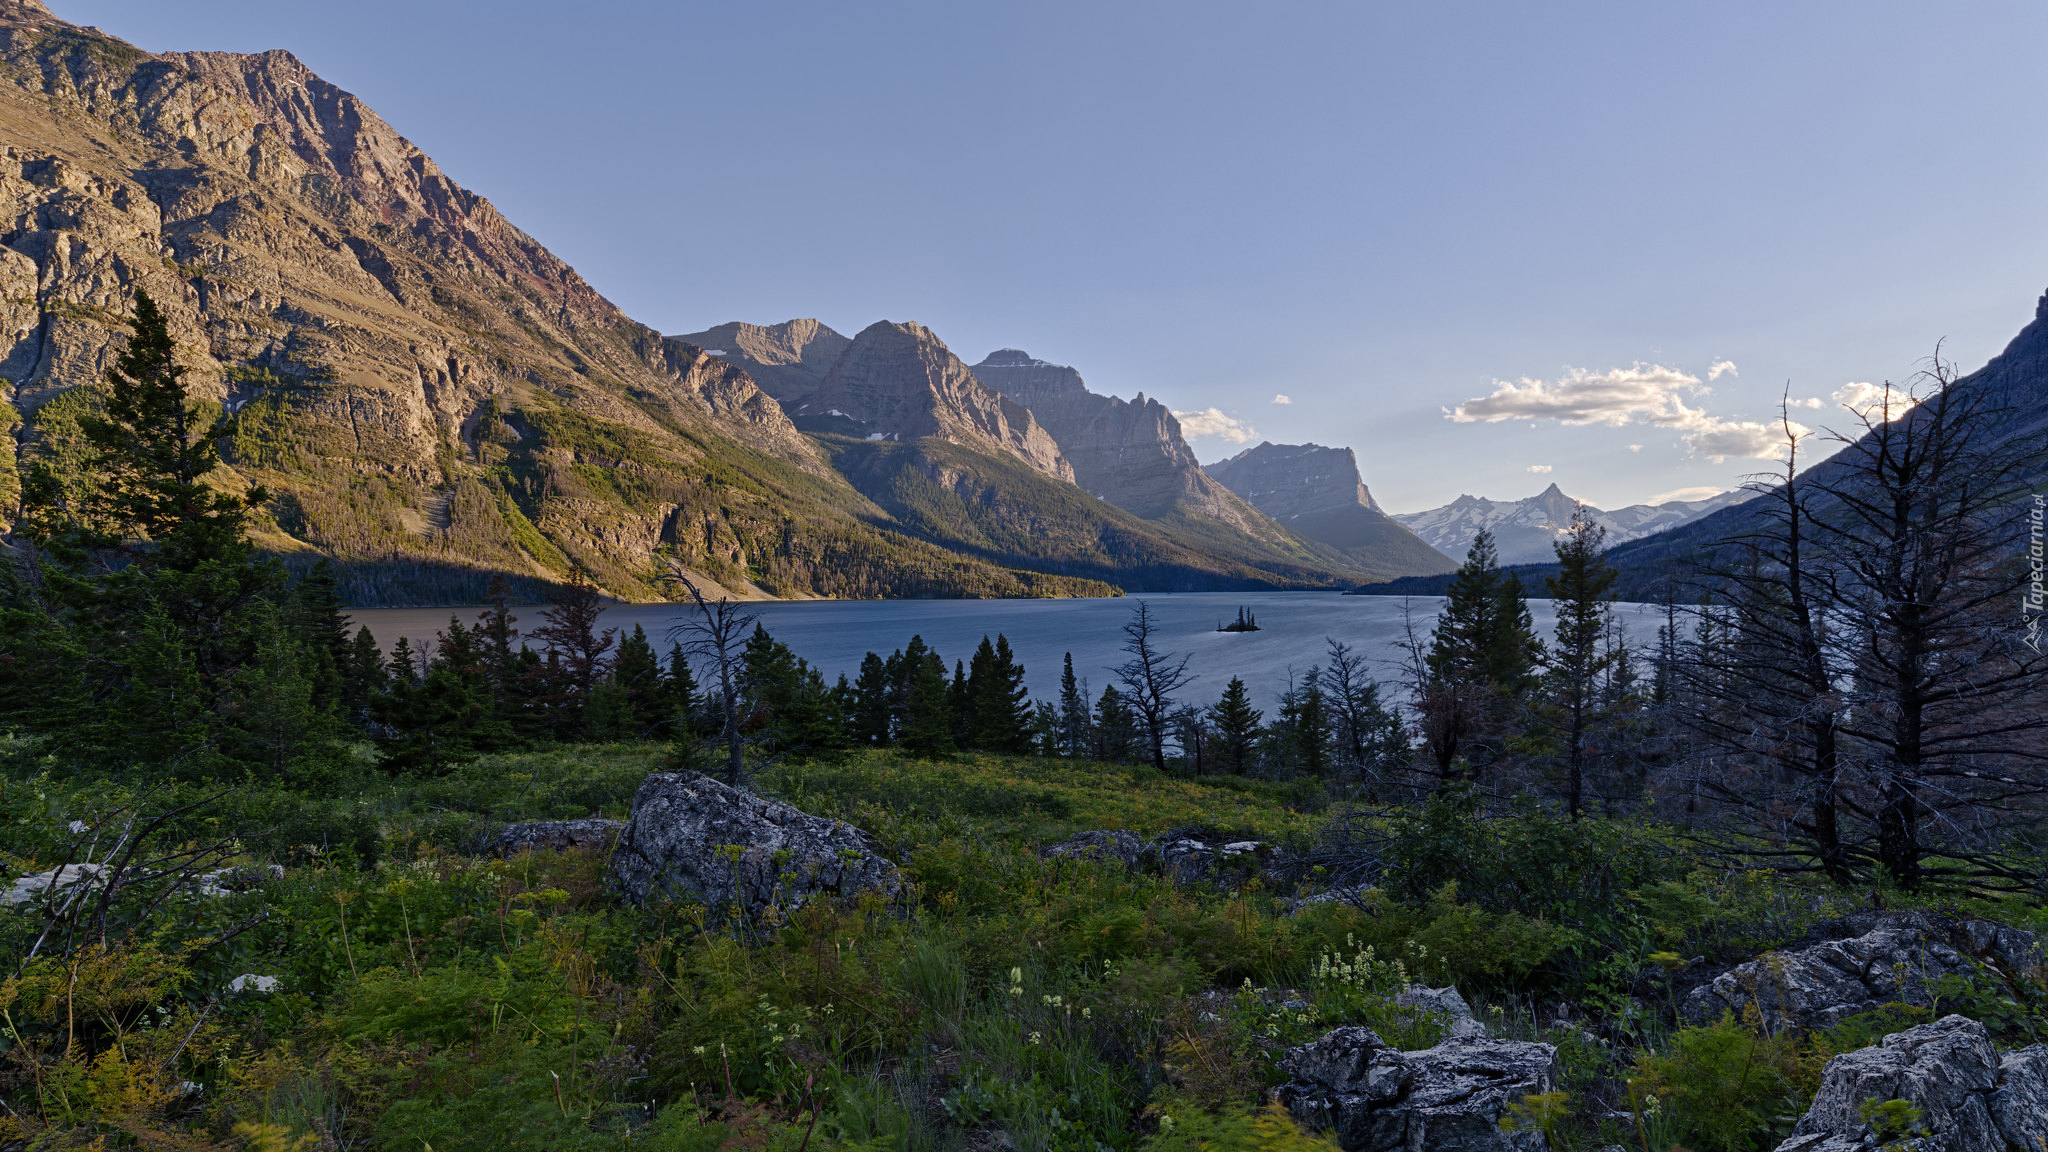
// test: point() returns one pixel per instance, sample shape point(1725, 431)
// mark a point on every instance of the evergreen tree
point(636, 674)
point(1001, 708)
point(1236, 725)
point(577, 651)
point(1583, 593)
point(928, 708)
point(1480, 656)
point(873, 703)
point(1302, 737)
point(159, 629)
point(1115, 728)
point(1074, 723)
point(322, 628)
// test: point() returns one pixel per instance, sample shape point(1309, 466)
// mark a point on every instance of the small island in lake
point(1245, 622)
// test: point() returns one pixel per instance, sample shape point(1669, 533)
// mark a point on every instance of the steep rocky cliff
point(1128, 452)
point(788, 360)
point(899, 382)
point(1318, 493)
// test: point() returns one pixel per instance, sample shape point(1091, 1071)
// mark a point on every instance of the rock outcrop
point(557, 835)
point(1128, 452)
point(1318, 493)
point(1969, 1098)
point(1893, 957)
point(788, 360)
point(1450, 1098)
point(900, 382)
point(691, 836)
point(1179, 856)
point(1126, 848)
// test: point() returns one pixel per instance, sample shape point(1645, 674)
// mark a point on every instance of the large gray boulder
point(1895, 958)
point(1449, 1098)
point(691, 836)
point(1970, 1099)
point(558, 835)
point(1115, 844)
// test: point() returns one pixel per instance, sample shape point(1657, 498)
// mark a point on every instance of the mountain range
point(436, 400)
point(1524, 531)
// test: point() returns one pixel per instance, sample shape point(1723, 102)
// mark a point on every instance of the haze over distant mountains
point(1524, 531)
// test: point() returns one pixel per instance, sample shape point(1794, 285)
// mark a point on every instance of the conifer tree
point(636, 674)
point(1074, 722)
point(1582, 590)
point(928, 710)
point(1115, 728)
point(1001, 705)
point(1236, 724)
point(873, 703)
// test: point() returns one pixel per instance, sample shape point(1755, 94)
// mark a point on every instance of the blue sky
point(1560, 217)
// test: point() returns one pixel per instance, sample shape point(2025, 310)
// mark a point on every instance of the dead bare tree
point(717, 633)
point(1150, 678)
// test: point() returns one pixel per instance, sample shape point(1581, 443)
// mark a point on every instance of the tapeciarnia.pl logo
point(2030, 611)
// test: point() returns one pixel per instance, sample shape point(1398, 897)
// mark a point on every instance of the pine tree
point(1115, 727)
point(636, 674)
point(1074, 723)
point(1304, 726)
point(1001, 708)
point(928, 709)
point(577, 651)
point(873, 703)
point(1583, 593)
point(1236, 724)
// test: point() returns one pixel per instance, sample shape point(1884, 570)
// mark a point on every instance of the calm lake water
point(834, 634)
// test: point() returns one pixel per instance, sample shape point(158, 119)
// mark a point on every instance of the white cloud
point(1282, 398)
point(1539, 469)
point(1635, 447)
point(1720, 368)
point(1810, 402)
point(1701, 492)
point(1867, 399)
point(1212, 422)
point(1638, 394)
point(1616, 397)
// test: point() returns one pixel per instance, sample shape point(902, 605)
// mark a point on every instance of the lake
point(834, 634)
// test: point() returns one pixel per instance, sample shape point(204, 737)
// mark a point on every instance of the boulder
point(1450, 1098)
point(27, 889)
point(1895, 958)
point(1446, 1005)
point(692, 836)
point(557, 835)
point(1970, 1099)
point(1184, 858)
point(1119, 845)
point(240, 878)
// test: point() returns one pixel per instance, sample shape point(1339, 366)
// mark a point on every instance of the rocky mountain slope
point(1524, 531)
point(1318, 493)
point(788, 360)
point(438, 400)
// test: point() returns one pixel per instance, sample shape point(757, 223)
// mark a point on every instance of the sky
point(1488, 246)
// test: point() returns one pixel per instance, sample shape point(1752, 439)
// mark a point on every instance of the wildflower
point(1035, 1038)
point(1165, 1122)
point(1087, 1013)
point(697, 1050)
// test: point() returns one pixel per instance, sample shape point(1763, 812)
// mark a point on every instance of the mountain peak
point(1014, 358)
